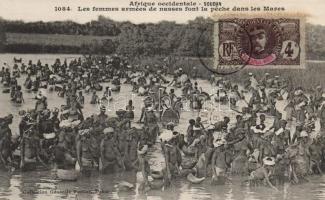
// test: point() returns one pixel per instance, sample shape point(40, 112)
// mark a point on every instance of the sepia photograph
point(155, 100)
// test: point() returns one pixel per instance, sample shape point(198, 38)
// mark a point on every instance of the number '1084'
point(61, 8)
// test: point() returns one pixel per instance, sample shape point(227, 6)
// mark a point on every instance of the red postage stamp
point(259, 42)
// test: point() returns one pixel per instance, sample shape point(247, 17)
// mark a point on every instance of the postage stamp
point(259, 42)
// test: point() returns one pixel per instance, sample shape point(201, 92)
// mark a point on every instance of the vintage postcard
point(162, 99)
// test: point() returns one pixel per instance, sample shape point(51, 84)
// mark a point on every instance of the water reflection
point(5, 184)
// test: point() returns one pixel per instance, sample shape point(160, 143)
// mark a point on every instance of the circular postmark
point(229, 38)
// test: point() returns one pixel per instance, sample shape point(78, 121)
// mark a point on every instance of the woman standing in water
point(18, 96)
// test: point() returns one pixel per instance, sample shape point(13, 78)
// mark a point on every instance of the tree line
point(148, 39)
point(164, 38)
point(167, 38)
point(100, 27)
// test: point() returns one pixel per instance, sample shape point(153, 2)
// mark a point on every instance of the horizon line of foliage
point(101, 27)
point(165, 38)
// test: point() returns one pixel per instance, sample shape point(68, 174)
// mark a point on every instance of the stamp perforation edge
point(302, 28)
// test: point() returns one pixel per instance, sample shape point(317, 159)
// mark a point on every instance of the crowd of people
point(65, 138)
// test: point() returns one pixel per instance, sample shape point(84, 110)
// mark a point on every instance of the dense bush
point(166, 38)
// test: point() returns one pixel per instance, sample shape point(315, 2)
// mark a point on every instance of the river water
point(44, 185)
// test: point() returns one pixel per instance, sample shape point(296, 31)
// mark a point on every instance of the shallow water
point(43, 185)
